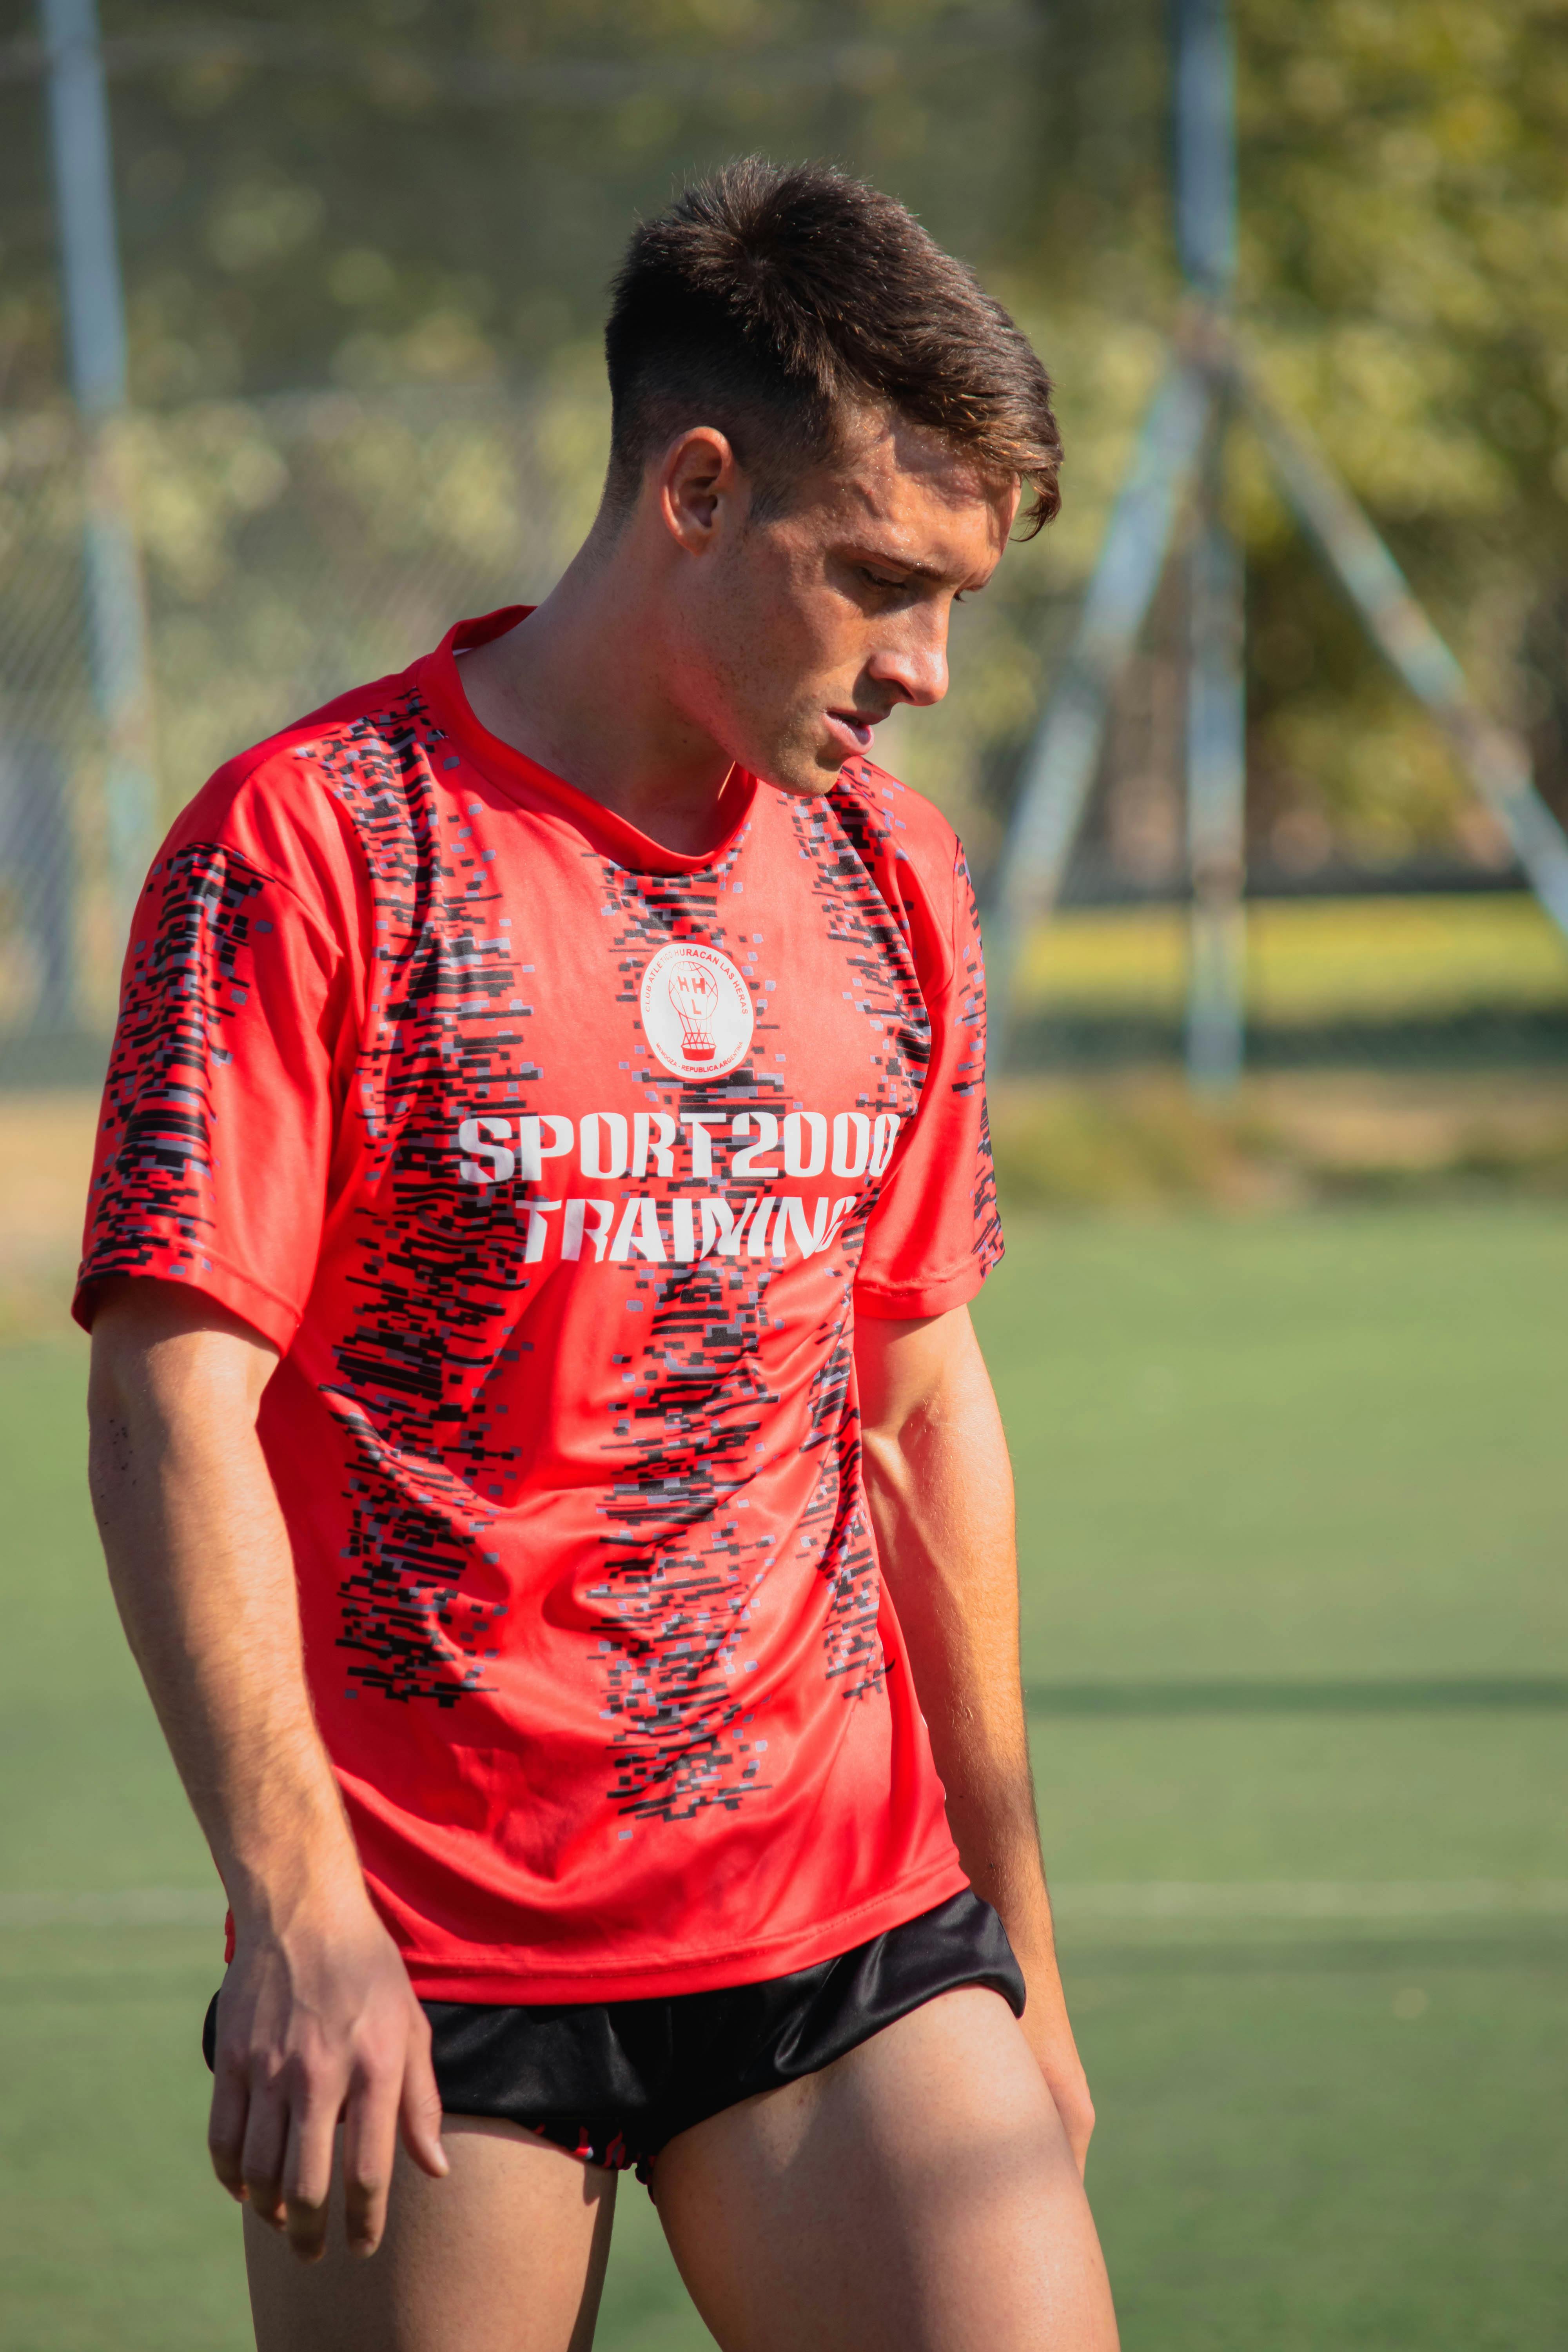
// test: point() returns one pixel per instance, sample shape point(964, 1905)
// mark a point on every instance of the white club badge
point(696, 1011)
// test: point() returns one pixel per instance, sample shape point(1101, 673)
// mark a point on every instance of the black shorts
point(612, 2081)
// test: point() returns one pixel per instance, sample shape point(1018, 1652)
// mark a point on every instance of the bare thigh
point(505, 2254)
point(916, 2196)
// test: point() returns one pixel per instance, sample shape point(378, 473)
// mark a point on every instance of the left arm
point(941, 1492)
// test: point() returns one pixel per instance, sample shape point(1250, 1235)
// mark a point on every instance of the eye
point(879, 579)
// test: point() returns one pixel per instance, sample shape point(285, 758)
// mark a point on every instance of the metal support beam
point(94, 321)
point(1498, 764)
point(1205, 380)
point(1217, 787)
point(1217, 733)
point(1060, 766)
point(1205, 146)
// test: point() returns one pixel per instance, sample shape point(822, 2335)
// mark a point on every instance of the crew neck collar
point(516, 773)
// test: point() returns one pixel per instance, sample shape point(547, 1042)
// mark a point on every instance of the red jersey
point(558, 1167)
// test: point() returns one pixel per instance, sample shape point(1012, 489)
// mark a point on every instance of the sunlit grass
point(1256, 1454)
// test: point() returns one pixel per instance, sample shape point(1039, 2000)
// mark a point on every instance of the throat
point(669, 784)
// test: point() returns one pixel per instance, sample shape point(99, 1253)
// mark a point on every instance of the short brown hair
point(770, 297)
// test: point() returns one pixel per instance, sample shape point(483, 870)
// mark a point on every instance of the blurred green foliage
point(1405, 237)
point(386, 194)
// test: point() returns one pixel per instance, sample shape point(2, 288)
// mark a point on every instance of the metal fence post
point(1060, 766)
point(94, 321)
point(1497, 759)
point(1216, 711)
point(1217, 788)
point(1205, 116)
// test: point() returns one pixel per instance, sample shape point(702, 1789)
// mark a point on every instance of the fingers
point(225, 2126)
point(1073, 2105)
point(370, 2146)
point(293, 2057)
point(308, 2174)
point(271, 2144)
point(274, 2146)
point(379, 2104)
point(420, 2110)
point(1065, 2082)
point(261, 2157)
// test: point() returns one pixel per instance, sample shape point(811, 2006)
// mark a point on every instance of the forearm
point(316, 2018)
point(200, 1566)
point(940, 1488)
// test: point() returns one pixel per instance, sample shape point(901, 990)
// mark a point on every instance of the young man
point(546, 1469)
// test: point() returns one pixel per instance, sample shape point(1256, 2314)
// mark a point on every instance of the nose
point(914, 663)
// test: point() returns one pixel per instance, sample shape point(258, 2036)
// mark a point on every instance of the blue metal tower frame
point(1178, 469)
point(95, 336)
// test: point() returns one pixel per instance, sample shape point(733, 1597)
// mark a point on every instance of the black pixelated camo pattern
point(444, 1290)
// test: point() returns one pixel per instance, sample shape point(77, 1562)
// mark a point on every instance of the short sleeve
point(215, 1135)
point(934, 1233)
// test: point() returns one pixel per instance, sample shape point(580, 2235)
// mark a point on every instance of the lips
point(852, 728)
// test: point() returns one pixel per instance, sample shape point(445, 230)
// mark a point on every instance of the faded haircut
point(774, 301)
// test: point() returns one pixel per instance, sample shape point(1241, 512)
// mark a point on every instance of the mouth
point(851, 731)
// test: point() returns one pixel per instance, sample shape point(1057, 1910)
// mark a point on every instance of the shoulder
point(905, 826)
point(909, 850)
point(306, 807)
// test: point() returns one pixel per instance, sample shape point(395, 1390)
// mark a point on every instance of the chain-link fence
point(289, 549)
point(51, 745)
point(293, 547)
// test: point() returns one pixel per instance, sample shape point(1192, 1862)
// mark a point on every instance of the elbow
point(127, 1412)
point(106, 1386)
point(117, 1376)
point(111, 1445)
point(887, 1470)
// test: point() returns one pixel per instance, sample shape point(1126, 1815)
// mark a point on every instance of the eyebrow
point(902, 563)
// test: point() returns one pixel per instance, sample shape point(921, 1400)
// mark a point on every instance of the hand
point(1049, 2036)
point(317, 2021)
point(1056, 2052)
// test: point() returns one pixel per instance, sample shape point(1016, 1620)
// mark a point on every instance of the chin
point(805, 772)
point(816, 786)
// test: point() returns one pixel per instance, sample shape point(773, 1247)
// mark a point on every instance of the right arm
point(317, 2018)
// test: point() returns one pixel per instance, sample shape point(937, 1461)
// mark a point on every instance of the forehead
point(900, 489)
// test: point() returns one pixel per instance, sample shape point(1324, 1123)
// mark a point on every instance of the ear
point(700, 487)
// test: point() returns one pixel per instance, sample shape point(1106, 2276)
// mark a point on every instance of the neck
point(582, 686)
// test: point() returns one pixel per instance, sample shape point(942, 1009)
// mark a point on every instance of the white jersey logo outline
point(697, 1011)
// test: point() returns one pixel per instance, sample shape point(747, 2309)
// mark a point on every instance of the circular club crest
point(696, 1011)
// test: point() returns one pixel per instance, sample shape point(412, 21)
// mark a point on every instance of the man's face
point(803, 631)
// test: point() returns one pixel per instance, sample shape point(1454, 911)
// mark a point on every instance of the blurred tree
point(1405, 270)
point(385, 191)
point(370, 193)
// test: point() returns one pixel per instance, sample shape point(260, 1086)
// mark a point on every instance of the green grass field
point(1291, 1499)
